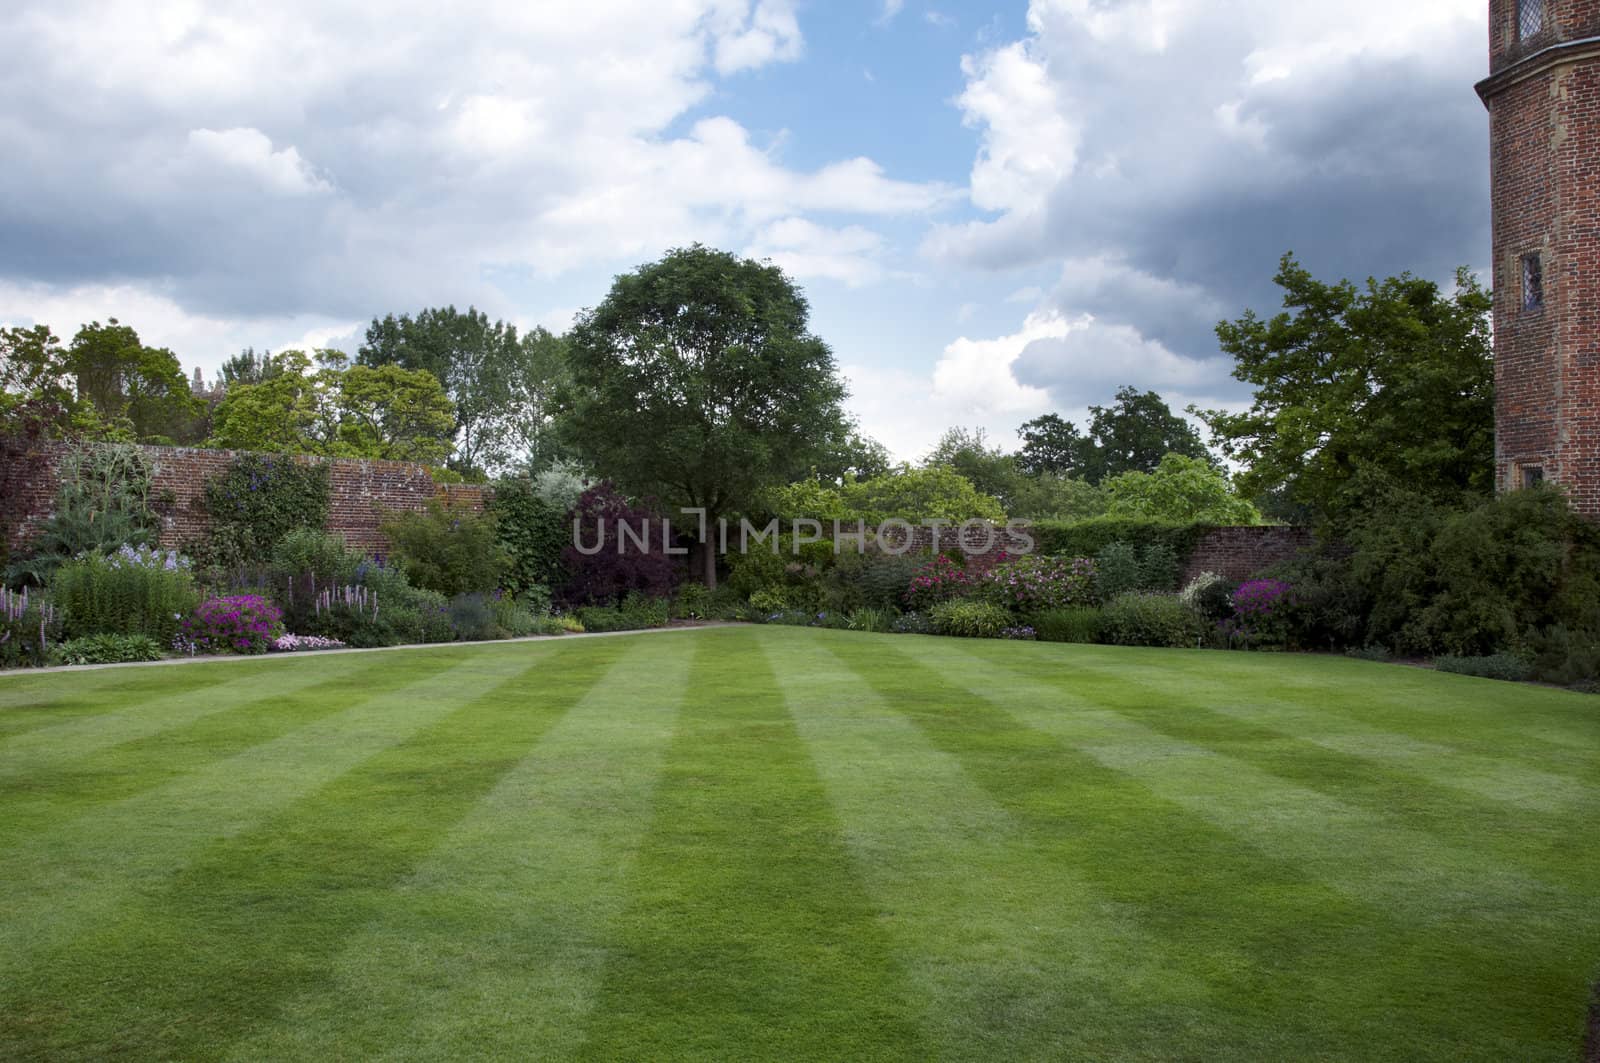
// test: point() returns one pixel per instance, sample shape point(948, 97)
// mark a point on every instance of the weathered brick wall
point(1543, 97)
point(1239, 553)
point(360, 492)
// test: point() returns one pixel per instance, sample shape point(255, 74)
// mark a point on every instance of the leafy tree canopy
point(1393, 378)
point(1133, 434)
point(355, 412)
point(1049, 444)
point(697, 381)
point(502, 385)
point(107, 384)
point(1181, 490)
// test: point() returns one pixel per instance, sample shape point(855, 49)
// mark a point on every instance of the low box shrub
point(1081, 624)
point(1503, 666)
point(970, 619)
point(1145, 619)
point(109, 649)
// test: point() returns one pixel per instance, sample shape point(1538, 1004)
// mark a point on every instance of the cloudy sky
point(996, 209)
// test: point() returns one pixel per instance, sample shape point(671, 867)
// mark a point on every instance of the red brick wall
point(1544, 115)
point(1240, 553)
point(360, 492)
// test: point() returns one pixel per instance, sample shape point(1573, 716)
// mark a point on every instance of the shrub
point(1209, 595)
point(1031, 583)
point(692, 602)
point(969, 619)
point(298, 643)
point(449, 547)
point(636, 611)
point(1081, 624)
point(1260, 613)
point(1370, 653)
point(912, 623)
point(1086, 538)
point(1022, 633)
point(1122, 568)
point(1117, 571)
point(472, 618)
point(1566, 656)
point(241, 623)
point(1329, 607)
point(938, 580)
point(109, 649)
point(322, 556)
point(1476, 581)
point(883, 578)
point(29, 624)
point(515, 616)
point(254, 503)
point(533, 532)
point(104, 501)
point(1502, 666)
point(771, 600)
point(869, 619)
point(1145, 619)
point(619, 565)
point(135, 591)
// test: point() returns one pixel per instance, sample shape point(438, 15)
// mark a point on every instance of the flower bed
point(298, 643)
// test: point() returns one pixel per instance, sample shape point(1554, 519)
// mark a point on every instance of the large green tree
point(697, 381)
point(1050, 444)
point(1180, 489)
point(1390, 381)
point(338, 410)
point(1133, 434)
point(502, 384)
point(132, 385)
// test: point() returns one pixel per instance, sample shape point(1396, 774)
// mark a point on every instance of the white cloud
point(768, 33)
point(250, 151)
point(248, 163)
point(972, 384)
point(197, 339)
point(1029, 144)
point(805, 250)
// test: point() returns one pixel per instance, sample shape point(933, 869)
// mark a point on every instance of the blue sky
point(995, 209)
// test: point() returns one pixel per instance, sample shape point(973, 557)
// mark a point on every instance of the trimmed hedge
point(1086, 538)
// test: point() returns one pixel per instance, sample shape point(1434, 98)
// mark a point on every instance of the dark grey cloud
point(1189, 180)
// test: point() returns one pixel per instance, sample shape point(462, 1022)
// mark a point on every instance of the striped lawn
point(779, 843)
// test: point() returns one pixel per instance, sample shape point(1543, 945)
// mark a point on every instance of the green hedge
point(1086, 538)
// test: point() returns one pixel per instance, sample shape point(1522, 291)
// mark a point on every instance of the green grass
point(765, 843)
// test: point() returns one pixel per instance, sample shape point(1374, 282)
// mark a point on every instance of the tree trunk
point(709, 547)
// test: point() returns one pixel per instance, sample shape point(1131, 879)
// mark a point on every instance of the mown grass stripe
point(59, 885)
point(1010, 953)
point(747, 934)
point(1404, 866)
point(1470, 718)
point(30, 698)
point(48, 791)
point(256, 917)
point(1422, 825)
point(1278, 942)
point(494, 947)
point(116, 715)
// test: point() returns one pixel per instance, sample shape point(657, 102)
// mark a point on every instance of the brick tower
point(1543, 96)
